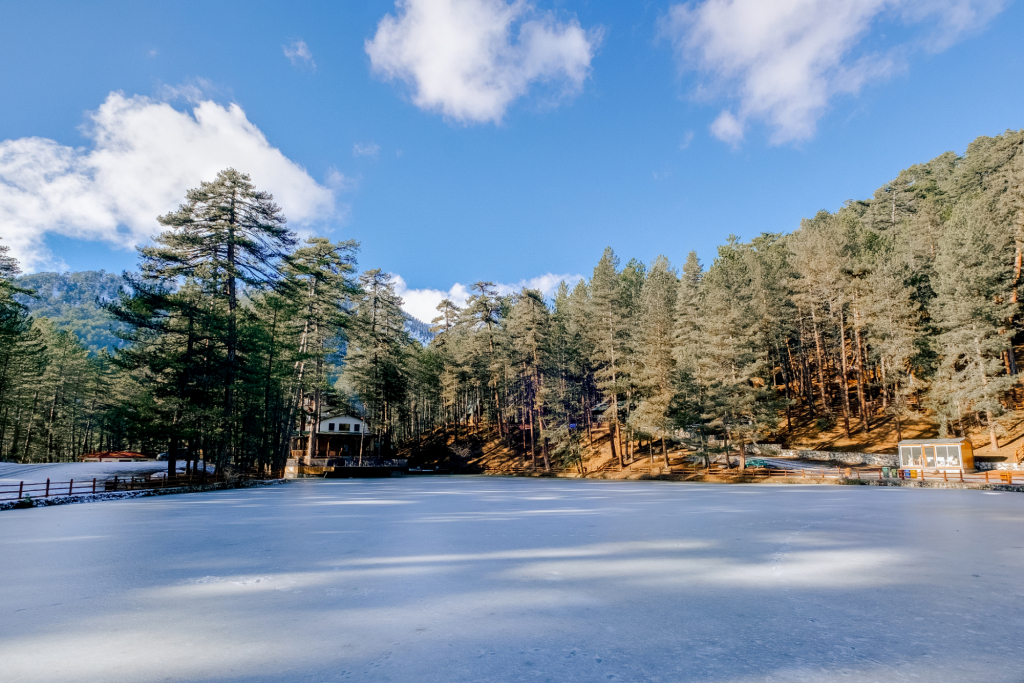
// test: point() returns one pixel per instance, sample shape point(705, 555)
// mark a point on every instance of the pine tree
point(653, 341)
point(376, 354)
point(226, 232)
point(971, 308)
point(320, 285)
point(529, 327)
point(893, 321)
point(739, 402)
point(694, 376)
point(606, 329)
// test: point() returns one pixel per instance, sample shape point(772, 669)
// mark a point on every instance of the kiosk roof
point(917, 442)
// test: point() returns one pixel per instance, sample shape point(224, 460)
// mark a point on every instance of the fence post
point(961, 475)
point(986, 476)
point(71, 486)
point(94, 484)
point(21, 488)
point(47, 488)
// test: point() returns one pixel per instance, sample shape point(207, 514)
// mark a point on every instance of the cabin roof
point(917, 442)
point(339, 416)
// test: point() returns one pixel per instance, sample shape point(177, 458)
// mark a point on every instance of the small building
point(335, 436)
point(342, 424)
point(341, 446)
point(937, 454)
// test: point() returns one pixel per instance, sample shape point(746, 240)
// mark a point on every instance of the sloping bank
point(143, 493)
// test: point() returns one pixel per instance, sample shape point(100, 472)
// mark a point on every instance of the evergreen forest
point(234, 336)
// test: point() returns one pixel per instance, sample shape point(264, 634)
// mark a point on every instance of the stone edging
point(791, 481)
point(852, 458)
point(1000, 466)
point(144, 493)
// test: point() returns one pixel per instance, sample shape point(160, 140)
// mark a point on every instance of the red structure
point(114, 456)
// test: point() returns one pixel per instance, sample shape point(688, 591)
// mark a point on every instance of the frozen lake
point(485, 579)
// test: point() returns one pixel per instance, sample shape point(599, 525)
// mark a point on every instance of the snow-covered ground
point(79, 471)
point(791, 464)
point(468, 579)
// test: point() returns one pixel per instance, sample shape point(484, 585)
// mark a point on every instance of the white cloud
point(299, 55)
point(470, 59)
point(782, 61)
point(727, 128)
point(144, 155)
point(340, 182)
point(422, 303)
point(365, 149)
point(687, 139)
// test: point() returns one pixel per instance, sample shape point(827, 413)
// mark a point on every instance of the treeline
point(236, 337)
point(233, 334)
point(888, 308)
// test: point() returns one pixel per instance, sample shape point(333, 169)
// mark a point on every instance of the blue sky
point(461, 140)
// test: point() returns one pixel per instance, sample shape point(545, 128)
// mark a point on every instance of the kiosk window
point(910, 456)
point(948, 456)
point(929, 456)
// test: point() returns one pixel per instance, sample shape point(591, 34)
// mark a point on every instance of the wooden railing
point(50, 489)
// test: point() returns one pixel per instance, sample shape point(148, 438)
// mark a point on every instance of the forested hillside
point(74, 302)
point(898, 308)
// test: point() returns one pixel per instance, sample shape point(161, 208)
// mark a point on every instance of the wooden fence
point(50, 489)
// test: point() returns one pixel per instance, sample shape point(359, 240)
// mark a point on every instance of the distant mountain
point(419, 331)
point(74, 302)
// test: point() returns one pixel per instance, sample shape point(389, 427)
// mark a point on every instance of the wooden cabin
point(336, 436)
point(342, 447)
point(937, 454)
point(342, 424)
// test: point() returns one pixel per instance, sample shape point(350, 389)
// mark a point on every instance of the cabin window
point(355, 428)
point(947, 456)
point(910, 456)
point(343, 427)
point(330, 426)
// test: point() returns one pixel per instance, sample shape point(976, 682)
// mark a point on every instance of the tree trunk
point(821, 363)
point(860, 369)
point(844, 386)
point(992, 431)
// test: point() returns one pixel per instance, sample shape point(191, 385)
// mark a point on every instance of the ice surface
point(482, 579)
